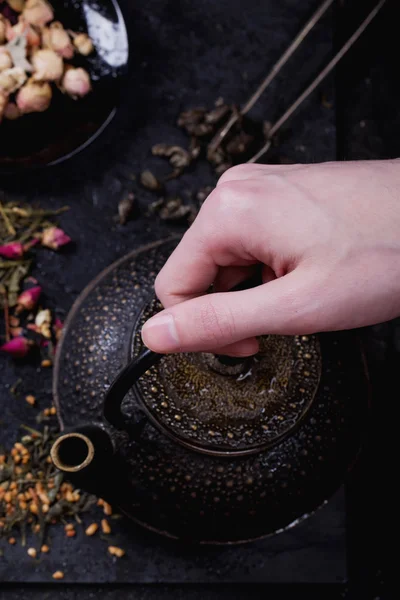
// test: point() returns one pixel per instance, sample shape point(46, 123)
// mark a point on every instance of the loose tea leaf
point(126, 208)
point(149, 181)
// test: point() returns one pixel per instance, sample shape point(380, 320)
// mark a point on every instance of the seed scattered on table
point(91, 530)
point(115, 551)
point(58, 575)
point(105, 526)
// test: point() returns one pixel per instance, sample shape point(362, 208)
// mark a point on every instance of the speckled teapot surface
point(203, 448)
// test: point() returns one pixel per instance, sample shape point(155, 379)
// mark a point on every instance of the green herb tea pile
point(33, 494)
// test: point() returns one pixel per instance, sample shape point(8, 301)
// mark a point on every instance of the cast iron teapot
point(197, 446)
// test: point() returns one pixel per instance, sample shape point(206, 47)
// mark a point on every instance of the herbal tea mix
point(33, 495)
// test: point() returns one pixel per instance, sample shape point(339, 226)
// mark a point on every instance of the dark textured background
point(187, 53)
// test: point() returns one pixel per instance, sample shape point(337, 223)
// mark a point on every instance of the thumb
point(215, 320)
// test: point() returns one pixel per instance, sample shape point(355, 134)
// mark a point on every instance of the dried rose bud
point(17, 347)
point(17, 5)
point(47, 65)
point(5, 58)
point(3, 104)
point(38, 12)
point(76, 83)
point(16, 331)
point(23, 28)
point(12, 112)
point(34, 97)
point(83, 44)
point(3, 28)
point(12, 250)
point(28, 299)
point(56, 38)
point(54, 238)
point(57, 328)
point(12, 79)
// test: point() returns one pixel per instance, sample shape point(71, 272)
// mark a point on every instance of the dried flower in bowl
point(3, 29)
point(47, 65)
point(5, 59)
point(38, 12)
point(23, 28)
point(57, 39)
point(83, 43)
point(17, 5)
point(3, 104)
point(76, 83)
point(12, 112)
point(12, 79)
point(34, 97)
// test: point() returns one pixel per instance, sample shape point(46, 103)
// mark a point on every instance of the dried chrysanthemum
point(54, 238)
point(12, 79)
point(76, 83)
point(56, 38)
point(12, 111)
point(5, 59)
point(48, 65)
point(34, 97)
point(83, 44)
point(43, 323)
point(25, 29)
point(38, 12)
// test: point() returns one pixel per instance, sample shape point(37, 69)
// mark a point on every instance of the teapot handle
point(123, 383)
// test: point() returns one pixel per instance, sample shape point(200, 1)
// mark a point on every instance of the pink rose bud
point(38, 12)
point(48, 66)
point(57, 328)
point(12, 112)
point(17, 5)
point(28, 299)
point(56, 38)
point(23, 28)
point(12, 250)
point(5, 58)
point(17, 347)
point(34, 97)
point(83, 44)
point(76, 83)
point(54, 238)
point(3, 29)
point(3, 104)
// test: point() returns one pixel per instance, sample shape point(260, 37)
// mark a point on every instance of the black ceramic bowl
point(69, 126)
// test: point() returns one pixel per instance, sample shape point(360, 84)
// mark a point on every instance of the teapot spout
point(83, 454)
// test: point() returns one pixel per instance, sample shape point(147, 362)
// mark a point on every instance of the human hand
point(328, 236)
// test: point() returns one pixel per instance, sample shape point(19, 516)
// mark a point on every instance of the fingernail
point(160, 334)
